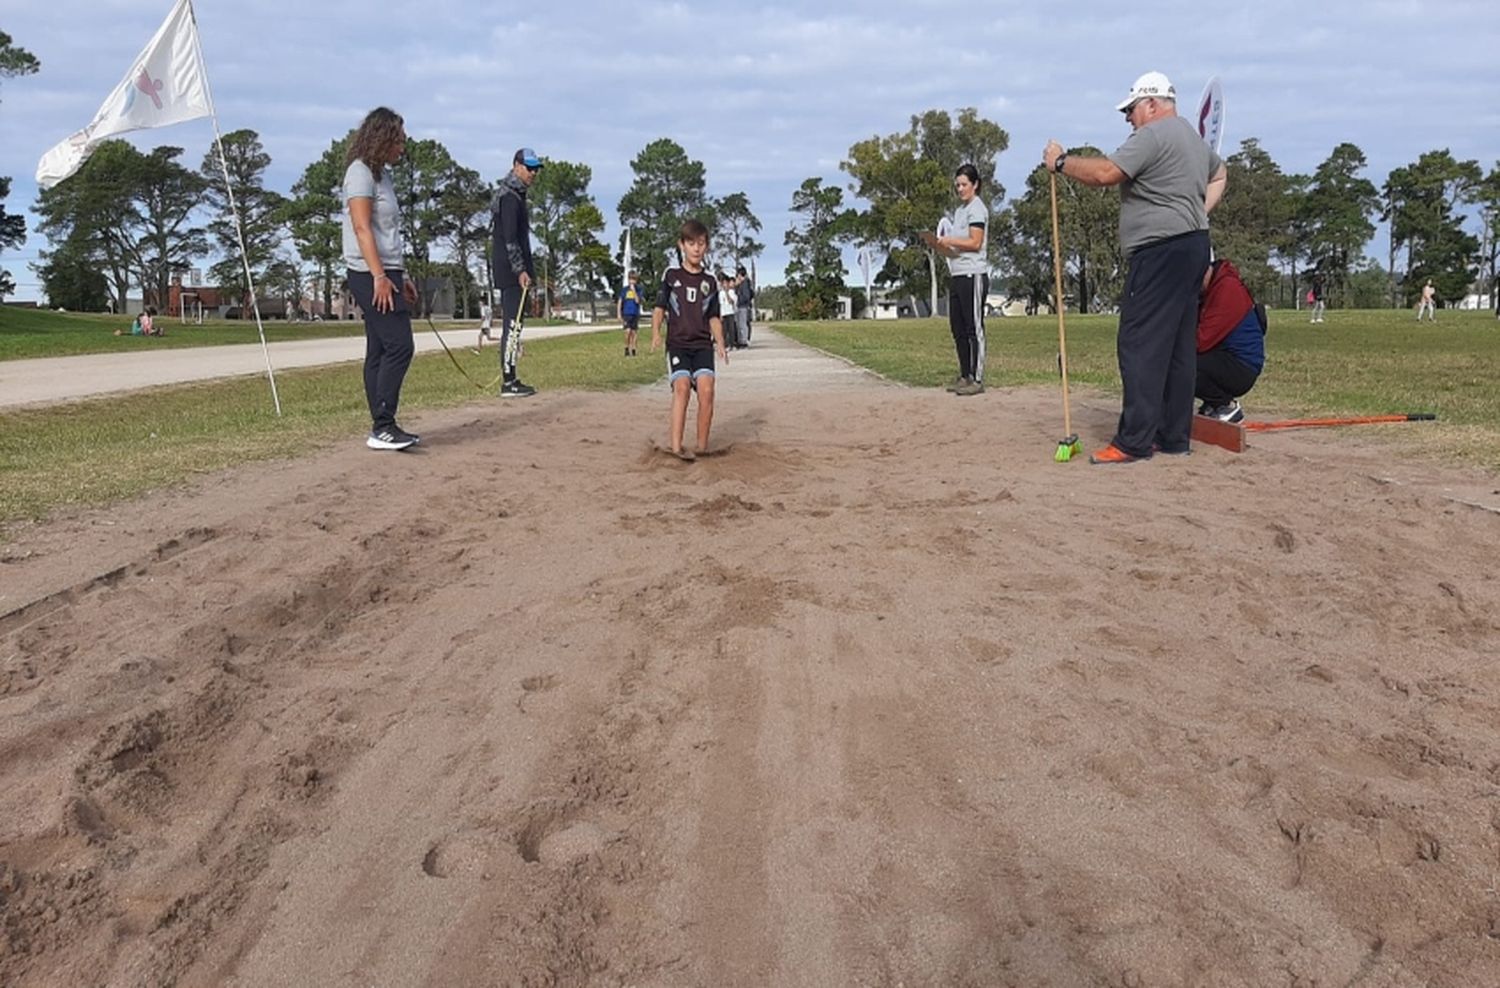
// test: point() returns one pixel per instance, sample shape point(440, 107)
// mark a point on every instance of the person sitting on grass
point(1231, 343)
point(689, 303)
point(142, 325)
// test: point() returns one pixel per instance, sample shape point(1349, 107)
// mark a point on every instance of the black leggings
point(510, 331)
point(1222, 377)
point(388, 345)
point(966, 293)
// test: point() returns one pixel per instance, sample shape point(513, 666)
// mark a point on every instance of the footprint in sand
point(550, 835)
point(462, 855)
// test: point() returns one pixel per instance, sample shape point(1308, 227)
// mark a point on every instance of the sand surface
point(882, 697)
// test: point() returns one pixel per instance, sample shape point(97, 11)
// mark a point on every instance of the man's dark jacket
point(510, 227)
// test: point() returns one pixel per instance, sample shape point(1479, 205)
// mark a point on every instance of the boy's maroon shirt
point(690, 301)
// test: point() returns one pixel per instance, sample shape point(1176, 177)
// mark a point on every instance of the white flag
point(166, 84)
point(627, 253)
point(1211, 114)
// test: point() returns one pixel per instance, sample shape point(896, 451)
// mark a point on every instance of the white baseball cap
point(1151, 85)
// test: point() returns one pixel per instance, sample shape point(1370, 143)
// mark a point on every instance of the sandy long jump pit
point(883, 697)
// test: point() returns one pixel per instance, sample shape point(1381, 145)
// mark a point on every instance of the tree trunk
point(1391, 267)
point(463, 282)
point(1408, 273)
point(932, 273)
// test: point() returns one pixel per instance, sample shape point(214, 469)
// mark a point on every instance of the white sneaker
point(389, 439)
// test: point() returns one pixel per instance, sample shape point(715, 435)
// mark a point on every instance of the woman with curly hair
point(965, 248)
point(373, 253)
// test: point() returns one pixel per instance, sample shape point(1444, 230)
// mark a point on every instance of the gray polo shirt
point(385, 217)
point(1168, 167)
point(971, 213)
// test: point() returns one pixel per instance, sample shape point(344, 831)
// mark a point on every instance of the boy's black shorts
point(631, 321)
point(690, 364)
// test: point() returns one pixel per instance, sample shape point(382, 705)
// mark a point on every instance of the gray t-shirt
point(971, 213)
point(1168, 166)
point(385, 217)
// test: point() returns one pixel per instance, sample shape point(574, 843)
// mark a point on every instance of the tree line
point(1280, 229)
point(131, 219)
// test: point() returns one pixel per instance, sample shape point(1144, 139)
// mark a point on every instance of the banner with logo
point(166, 84)
point(1210, 118)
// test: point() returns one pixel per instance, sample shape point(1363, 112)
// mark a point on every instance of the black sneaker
point(515, 389)
point(1231, 412)
point(409, 435)
point(389, 438)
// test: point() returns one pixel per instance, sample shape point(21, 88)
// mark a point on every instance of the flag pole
point(234, 211)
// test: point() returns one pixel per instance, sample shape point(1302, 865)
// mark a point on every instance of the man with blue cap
point(510, 226)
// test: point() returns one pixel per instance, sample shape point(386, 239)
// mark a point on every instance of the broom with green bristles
point(1069, 446)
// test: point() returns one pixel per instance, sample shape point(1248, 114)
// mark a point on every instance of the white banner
point(626, 272)
point(1211, 114)
point(166, 84)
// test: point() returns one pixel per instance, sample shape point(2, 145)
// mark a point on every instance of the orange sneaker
point(1112, 454)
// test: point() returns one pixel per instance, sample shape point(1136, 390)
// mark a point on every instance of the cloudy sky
point(766, 95)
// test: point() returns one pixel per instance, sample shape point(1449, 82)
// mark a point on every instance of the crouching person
point(1231, 343)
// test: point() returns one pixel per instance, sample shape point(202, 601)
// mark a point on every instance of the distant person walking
point(969, 281)
point(726, 308)
point(1428, 305)
point(373, 253)
point(513, 270)
point(1170, 180)
point(628, 311)
point(486, 317)
point(744, 306)
point(1315, 293)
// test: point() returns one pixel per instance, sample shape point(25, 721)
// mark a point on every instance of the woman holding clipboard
point(962, 238)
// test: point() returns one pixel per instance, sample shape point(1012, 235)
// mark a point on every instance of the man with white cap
point(1169, 179)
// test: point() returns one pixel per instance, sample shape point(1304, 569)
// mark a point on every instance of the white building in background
point(887, 307)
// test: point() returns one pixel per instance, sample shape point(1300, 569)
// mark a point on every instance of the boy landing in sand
point(689, 302)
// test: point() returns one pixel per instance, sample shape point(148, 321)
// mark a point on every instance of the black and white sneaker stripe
point(390, 438)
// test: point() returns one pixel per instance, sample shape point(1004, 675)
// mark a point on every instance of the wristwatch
point(1057, 165)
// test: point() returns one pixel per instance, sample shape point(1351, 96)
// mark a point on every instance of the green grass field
point(40, 333)
point(1362, 362)
point(100, 451)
